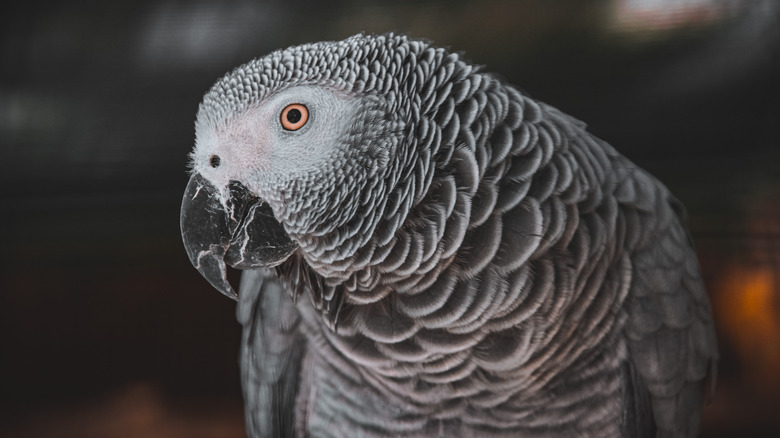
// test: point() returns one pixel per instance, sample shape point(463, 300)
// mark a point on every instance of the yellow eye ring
point(294, 116)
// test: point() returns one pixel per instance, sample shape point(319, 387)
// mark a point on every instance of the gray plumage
point(456, 258)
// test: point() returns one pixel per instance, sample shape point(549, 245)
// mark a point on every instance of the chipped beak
point(241, 232)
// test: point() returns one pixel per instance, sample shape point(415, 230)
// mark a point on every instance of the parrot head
point(297, 153)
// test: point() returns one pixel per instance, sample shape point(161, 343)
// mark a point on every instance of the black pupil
point(214, 161)
point(294, 116)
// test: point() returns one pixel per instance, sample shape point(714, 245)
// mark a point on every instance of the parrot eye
point(294, 116)
point(214, 161)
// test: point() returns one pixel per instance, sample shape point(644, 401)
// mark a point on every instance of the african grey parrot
point(427, 251)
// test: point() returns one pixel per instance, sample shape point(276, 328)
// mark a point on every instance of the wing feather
point(272, 350)
point(670, 332)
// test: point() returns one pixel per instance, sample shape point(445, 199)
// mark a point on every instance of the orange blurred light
point(749, 318)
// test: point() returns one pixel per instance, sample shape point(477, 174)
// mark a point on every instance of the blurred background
point(106, 329)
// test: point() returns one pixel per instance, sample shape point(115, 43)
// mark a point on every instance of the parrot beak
point(241, 232)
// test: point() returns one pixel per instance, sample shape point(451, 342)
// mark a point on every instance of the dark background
point(105, 328)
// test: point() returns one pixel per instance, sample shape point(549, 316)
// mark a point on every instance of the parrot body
point(429, 252)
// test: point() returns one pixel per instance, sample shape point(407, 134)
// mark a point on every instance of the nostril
point(214, 161)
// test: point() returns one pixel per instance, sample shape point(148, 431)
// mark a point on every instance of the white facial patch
point(254, 148)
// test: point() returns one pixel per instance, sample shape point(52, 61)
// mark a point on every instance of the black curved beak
point(242, 232)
